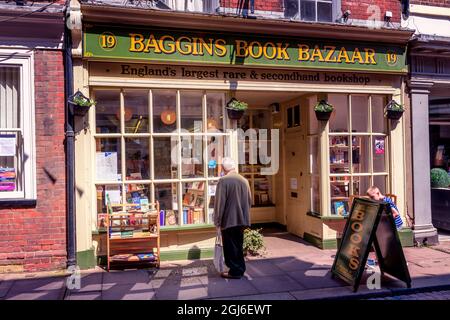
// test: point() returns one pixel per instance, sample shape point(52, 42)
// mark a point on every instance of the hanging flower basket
point(80, 103)
point(236, 109)
point(323, 110)
point(394, 111)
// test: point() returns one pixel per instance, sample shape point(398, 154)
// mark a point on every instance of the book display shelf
point(133, 236)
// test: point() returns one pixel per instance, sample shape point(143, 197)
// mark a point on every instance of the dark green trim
point(406, 236)
point(319, 242)
point(86, 259)
point(187, 227)
point(187, 254)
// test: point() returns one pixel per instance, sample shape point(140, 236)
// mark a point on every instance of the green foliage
point(235, 104)
point(439, 178)
point(253, 241)
point(394, 106)
point(80, 101)
point(323, 106)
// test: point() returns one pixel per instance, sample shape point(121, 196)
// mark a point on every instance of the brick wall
point(34, 239)
point(359, 8)
point(435, 3)
point(260, 5)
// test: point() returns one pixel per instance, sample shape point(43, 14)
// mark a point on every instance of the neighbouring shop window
point(174, 158)
point(309, 10)
point(17, 177)
point(359, 147)
point(440, 134)
point(255, 125)
point(314, 158)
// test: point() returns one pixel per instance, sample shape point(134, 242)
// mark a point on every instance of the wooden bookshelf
point(133, 236)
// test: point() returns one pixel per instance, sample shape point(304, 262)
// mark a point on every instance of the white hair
point(228, 164)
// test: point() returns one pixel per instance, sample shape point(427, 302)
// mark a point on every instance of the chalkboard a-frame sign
point(369, 222)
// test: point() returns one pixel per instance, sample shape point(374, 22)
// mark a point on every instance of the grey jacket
point(232, 202)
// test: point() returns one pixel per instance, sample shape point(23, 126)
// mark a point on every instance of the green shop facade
point(159, 128)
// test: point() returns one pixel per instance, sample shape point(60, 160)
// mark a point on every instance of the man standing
point(231, 216)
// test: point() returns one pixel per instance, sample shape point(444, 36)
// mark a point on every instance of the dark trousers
point(233, 241)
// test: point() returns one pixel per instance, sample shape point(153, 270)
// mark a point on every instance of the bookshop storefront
point(160, 128)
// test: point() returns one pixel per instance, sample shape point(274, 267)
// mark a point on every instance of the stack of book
point(135, 257)
point(193, 216)
point(7, 179)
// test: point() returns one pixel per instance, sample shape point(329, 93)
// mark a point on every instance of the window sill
point(319, 216)
point(171, 228)
point(14, 203)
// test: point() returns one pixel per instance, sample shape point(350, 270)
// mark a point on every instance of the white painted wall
point(429, 20)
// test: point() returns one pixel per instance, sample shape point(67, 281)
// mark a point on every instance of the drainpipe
point(70, 149)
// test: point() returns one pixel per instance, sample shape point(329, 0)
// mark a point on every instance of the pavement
point(289, 269)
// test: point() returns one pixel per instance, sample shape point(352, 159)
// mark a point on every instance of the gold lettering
point(208, 47)
point(370, 56)
point(355, 238)
point(136, 39)
point(356, 226)
point(187, 49)
point(303, 52)
point(359, 215)
point(354, 250)
point(266, 50)
point(170, 46)
point(357, 55)
point(220, 49)
point(331, 51)
point(259, 51)
point(343, 55)
point(241, 48)
point(317, 53)
point(282, 53)
point(353, 263)
point(152, 43)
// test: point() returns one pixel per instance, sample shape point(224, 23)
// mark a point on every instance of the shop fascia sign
point(110, 42)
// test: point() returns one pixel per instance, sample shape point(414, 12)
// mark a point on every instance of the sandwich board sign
point(369, 223)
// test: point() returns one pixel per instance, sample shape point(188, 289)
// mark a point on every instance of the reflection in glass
point(214, 111)
point(339, 117)
point(308, 10)
point(108, 159)
point(136, 111)
point(191, 111)
point(164, 111)
point(166, 195)
point(165, 157)
point(137, 158)
point(361, 154)
point(192, 155)
point(378, 119)
point(339, 158)
point(360, 185)
point(211, 196)
point(193, 202)
point(315, 194)
point(107, 111)
point(360, 113)
point(379, 156)
point(380, 182)
point(215, 149)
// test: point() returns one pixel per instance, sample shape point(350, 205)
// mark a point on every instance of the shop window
point(162, 160)
point(358, 155)
point(17, 155)
point(309, 10)
point(293, 116)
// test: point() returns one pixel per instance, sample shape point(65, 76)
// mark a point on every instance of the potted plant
point(323, 110)
point(236, 108)
point(80, 103)
point(394, 110)
point(253, 241)
point(440, 198)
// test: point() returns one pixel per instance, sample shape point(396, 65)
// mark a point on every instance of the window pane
point(108, 159)
point(339, 117)
point(165, 157)
point(378, 119)
point(137, 158)
point(339, 190)
point(379, 154)
point(8, 174)
point(262, 190)
point(193, 202)
point(9, 97)
point(361, 154)
point(215, 103)
point(291, 9)
point(360, 185)
point(215, 149)
point(191, 111)
point(107, 111)
point(164, 111)
point(314, 154)
point(313, 122)
point(138, 194)
point(360, 113)
point(315, 194)
point(114, 193)
point(339, 159)
point(136, 111)
point(308, 10)
point(192, 155)
point(212, 185)
point(324, 11)
point(380, 182)
point(167, 196)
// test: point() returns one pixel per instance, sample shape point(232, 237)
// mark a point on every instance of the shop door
point(296, 166)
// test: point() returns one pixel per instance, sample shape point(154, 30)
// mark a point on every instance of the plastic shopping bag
point(219, 262)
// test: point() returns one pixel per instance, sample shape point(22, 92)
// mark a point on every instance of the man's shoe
point(229, 276)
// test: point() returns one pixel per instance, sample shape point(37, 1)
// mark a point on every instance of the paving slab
point(276, 283)
point(262, 268)
point(85, 296)
point(219, 287)
point(315, 279)
point(264, 296)
point(126, 277)
point(5, 286)
point(129, 292)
